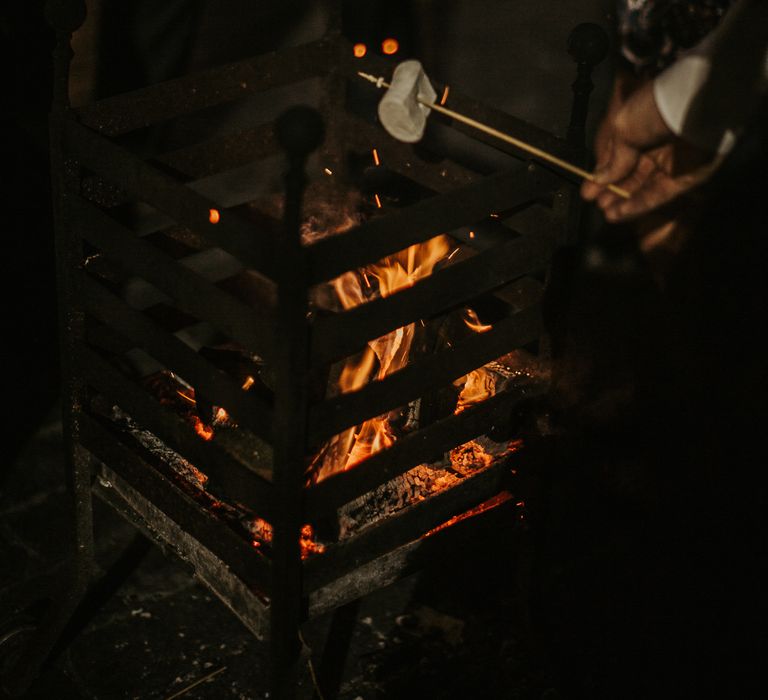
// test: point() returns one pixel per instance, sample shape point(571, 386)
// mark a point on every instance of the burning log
point(420, 483)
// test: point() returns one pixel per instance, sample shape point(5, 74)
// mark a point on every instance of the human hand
point(637, 151)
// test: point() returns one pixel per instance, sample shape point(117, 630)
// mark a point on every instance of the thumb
point(621, 162)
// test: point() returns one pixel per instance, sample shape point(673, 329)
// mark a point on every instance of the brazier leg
point(336, 648)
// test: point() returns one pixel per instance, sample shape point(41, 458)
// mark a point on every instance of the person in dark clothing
point(657, 524)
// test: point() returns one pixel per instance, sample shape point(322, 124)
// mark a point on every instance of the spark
point(378, 201)
point(376, 157)
point(453, 253)
point(444, 98)
point(221, 415)
point(185, 397)
point(471, 234)
point(328, 171)
point(213, 216)
point(359, 50)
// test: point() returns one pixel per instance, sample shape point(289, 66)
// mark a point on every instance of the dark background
point(648, 533)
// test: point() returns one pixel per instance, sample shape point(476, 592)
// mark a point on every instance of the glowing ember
point(378, 201)
point(203, 430)
point(470, 456)
point(261, 531)
point(376, 157)
point(263, 535)
point(359, 50)
point(484, 507)
point(308, 543)
point(390, 46)
point(213, 216)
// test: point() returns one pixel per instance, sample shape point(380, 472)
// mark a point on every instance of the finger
point(603, 143)
point(632, 183)
point(590, 190)
point(655, 193)
point(622, 162)
point(603, 150)
point(646, 167)
point(607, 199)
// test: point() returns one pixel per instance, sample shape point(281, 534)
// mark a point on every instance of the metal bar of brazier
point(150, 105)
point(192, 293)
point(438, 369)
point(442, 290)
point(259, 463)
point(229, 476)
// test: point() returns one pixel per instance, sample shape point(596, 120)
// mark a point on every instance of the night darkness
point(638, 573)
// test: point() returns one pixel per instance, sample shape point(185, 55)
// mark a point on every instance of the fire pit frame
point(85, 153)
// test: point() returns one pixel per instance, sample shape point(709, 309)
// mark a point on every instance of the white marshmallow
point(399, 111)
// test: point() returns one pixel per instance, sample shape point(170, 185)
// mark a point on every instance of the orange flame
point(213, 216)
point(264, 534)
point(475, 324)
point(479, 384)
point(384, 355)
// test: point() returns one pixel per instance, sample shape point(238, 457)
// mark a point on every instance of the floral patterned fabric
point(654, 32)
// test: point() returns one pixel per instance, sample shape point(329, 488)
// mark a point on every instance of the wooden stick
point(522, 145)
point(186, 689)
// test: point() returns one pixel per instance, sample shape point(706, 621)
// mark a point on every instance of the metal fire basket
point(99, 179)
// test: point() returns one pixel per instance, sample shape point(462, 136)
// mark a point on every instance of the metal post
point(299, 131)
point(588, 46)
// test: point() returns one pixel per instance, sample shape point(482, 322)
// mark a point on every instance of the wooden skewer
point(522, 145)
